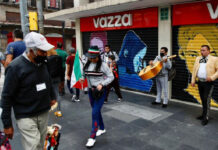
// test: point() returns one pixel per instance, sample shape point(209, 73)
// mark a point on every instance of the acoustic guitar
point(152, 70)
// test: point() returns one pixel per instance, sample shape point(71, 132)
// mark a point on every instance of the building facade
point(137, 30)
point(10, 20)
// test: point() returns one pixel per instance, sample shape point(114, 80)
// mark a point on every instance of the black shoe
point(204, 122)
point(155, 103)
point(164, 105)
point(200, 117)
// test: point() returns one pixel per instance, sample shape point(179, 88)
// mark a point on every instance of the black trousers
point(115, 84)
point(205, 91)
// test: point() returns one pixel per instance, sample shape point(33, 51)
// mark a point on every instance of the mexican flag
point(77, 73)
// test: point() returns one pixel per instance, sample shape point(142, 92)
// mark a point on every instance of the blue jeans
point(97, 120)
point(71, 90)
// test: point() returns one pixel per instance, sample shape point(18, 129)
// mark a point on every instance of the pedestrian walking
point(70, 63)
point(28, 90)
point(99, 76)
point(55, 70)
point(16, 48)
point(63, 54)
point(115, 83)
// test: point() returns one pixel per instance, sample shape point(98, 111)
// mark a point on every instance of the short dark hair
point(107, 46)
point(17, 33)
point(59, 45)
point(165, 49)
point(207, 46)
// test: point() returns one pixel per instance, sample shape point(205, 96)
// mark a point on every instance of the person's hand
point(209, 79)
point(165, 60)
point(68, 77)
point(81, 81)
point(99, 87)
point(193, 84)
point(9, 132)
point(150, 62)
point(53, 102)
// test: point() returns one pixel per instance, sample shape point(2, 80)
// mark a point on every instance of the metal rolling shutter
point(186, 43)
point(148, 36)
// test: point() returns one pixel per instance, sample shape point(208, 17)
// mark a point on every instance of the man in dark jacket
point(28, 90)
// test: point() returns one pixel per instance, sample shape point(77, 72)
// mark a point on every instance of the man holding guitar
point(162, 77)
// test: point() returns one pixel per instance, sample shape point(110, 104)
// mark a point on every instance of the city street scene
point(109, 74)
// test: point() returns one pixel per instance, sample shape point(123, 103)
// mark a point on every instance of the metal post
point(40, 16)
point(63, 34)
point(24, 16)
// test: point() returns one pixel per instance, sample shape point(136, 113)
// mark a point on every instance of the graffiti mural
point(135, 49)
point(131, 61)
point(189, 40)
point(99, 39)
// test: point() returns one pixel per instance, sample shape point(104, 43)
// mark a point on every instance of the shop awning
point(108, 6)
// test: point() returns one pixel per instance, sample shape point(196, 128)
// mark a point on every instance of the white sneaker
point(100, 132)
point(73, 98)
point(76, 100)
point(90, 143)
point(119, 99)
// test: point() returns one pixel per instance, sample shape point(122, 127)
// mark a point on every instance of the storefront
point(194, 24)
point(134, 37)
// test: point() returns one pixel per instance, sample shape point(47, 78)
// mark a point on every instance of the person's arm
point(194, 68)
point(9, 89)
point(116, 57)
point(68, 70)
point(9, 58)
point(151, 62)
point(215, 76)
point(110, 77)
point(9, 54)
point(168, 64)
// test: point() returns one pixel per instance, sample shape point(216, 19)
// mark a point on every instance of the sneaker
point(77, 100)
point(73, 98)
point(119, 99)
point(100, 132)
point(90, 143)
point(58, 113)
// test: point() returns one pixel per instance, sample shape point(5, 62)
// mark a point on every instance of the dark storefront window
point(67, 4)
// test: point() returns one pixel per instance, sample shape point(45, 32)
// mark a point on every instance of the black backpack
point(55, 66)
point(172, 71)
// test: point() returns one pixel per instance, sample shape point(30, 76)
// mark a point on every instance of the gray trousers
point(33, 131)
point(162, 85)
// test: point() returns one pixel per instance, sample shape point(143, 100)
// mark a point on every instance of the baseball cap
point(93, 52)
point(34, 39)
point(72, 50)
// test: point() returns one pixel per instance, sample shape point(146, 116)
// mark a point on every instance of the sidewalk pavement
point(133, 124)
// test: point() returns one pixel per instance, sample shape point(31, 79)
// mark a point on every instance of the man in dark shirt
point(16, 48)
point(28, 90)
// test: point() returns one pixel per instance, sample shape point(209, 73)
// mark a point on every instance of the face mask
point(40, 59)
point(161, 54)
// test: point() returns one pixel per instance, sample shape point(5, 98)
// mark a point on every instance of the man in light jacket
point(205, 71)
